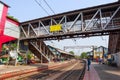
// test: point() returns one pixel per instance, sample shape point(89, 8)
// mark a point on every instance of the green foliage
point(29, 55)
point(20, 58)
point(83, 55)
point(77, 57)
point(14, 45)
point(3, 47)
point(12, 17)
point(9, 46)
point(71, 52)
point(4, 60)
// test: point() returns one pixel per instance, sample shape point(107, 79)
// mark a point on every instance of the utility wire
point(104, 40)
point(41, 7)
point(45, 9)
point(49, 6)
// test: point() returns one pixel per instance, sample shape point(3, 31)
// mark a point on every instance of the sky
point(25, 10)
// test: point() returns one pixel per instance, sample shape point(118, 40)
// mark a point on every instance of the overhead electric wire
point(45, 9)
point(41, 7)
point(49, 6)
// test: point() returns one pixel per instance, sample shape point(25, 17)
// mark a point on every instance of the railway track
point(76, 73)
point(72, 71)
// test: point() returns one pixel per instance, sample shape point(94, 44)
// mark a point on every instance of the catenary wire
point(49, 6)
point(42, 7)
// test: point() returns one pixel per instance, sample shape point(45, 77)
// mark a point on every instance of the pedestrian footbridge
point(92, 21)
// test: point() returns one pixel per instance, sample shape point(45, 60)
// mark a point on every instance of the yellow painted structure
point(98, 55)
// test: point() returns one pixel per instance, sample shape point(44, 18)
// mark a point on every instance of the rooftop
point(4, 4)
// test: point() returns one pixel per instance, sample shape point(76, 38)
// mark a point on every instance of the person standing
point(88, 63)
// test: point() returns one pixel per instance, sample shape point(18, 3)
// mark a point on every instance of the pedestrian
point(88, 63)
point(100, 60)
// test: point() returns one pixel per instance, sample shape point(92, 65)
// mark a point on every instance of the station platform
point(102, 72)
point(91, 74)
point(11, 71)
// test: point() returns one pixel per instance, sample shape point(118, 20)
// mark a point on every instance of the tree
point(77, 57)
point(71, 52)
point(83, 55)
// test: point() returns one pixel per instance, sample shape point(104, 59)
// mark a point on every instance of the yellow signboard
point(54, 28)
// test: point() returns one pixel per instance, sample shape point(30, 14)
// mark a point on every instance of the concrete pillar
point(93, 52)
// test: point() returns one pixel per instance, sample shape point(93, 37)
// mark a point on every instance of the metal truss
point(93, 21)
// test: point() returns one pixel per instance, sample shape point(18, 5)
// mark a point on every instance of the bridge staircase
point(39, 49)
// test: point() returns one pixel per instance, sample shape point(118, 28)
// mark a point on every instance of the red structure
point(8, 27)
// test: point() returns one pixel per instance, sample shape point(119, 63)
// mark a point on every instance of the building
point(98, 52)
point(9, 29)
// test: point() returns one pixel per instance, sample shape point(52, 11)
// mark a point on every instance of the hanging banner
point(55, 28)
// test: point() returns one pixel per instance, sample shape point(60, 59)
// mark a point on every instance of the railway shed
point(60, 54)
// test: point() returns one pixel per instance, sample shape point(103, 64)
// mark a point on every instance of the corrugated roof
point(61, 51)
